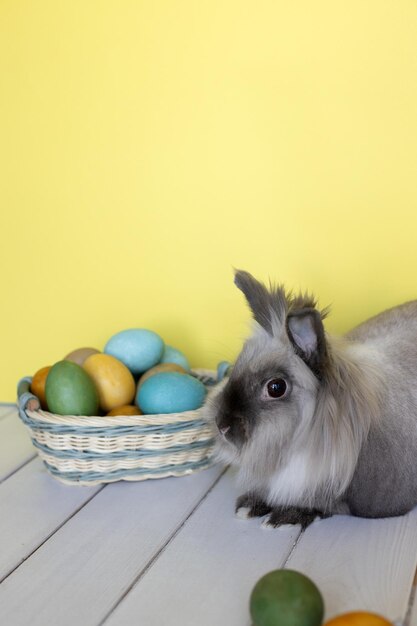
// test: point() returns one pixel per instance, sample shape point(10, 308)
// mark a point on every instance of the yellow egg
point(127, 409)
point(80, 355)
point(114, 382)
point(358, 618)
point(158, 369)
point(37, 386)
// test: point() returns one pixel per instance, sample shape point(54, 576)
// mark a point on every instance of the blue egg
point(170, 392)
point(139, 349)
point(172, 355)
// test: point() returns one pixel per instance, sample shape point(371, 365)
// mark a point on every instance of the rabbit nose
point(224, 430)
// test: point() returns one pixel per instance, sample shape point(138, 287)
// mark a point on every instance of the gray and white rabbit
point(319, 425)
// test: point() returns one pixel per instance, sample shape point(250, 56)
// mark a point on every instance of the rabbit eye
point(276, 388)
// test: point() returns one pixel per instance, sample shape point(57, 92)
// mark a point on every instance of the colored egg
point(286, 598)
point(359, 618)
point(80, 355)
point(139, 349)
point(69, 390)
point(170, 392)
point(127, 409)
point(37, 386)
point(113, 380)
point(172, 355)
point(162, 367)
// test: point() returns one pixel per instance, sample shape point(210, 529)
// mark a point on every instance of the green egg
point(286, 598)
point(69, 390)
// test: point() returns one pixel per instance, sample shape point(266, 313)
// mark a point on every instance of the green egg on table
point(286, 598)
point(170, 392)
point(139, 349)
point(172, 355)
point(69, 390)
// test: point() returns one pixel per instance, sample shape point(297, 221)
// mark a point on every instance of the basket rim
point(96, 421)
point(159, 419)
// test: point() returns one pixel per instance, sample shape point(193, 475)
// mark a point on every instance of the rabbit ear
point(267, 307)
point(257, 296)
point(306, 332)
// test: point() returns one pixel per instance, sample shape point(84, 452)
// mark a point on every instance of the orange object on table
point(358, 618)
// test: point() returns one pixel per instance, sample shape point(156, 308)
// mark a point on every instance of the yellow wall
point(146, 147)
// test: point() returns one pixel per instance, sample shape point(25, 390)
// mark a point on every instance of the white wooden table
point(171, 553)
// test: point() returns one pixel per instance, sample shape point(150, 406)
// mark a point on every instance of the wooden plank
point(360, 564)
point(205, 576)
point(34, 505)
point(7, 409)
point(15, 444)
point(84, 568)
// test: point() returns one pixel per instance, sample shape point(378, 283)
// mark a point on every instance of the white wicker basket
point(92, 450)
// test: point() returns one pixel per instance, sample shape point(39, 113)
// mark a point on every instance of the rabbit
point(319, 425)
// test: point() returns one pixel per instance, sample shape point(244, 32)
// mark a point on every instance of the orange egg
point(37, 386)
point(358, 618)
point(158, 369)
point(127, 409)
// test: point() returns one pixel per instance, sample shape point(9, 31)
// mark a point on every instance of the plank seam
point(19, 467)
point(293, 547)
point(77, 510)
point(411, 601)
point(160, 552)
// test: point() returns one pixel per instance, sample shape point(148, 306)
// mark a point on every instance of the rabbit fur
point(343, 436)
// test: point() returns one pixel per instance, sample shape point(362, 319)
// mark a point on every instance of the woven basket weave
point(93, 450)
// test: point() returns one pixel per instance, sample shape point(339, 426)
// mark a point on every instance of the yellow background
point(146, 148)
